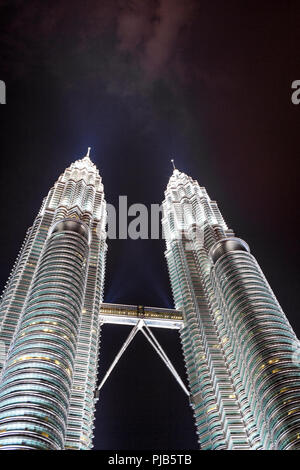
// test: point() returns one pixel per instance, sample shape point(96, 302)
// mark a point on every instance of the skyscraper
point(238, 345)
point(49, 319)
point(239, 349)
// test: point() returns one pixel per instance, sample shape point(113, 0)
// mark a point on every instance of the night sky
point(205, 82)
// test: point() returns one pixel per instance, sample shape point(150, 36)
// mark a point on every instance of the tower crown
point(178, 177)
point(82, 169)
point(85, 162)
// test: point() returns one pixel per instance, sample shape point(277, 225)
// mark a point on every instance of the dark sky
point(207, 82)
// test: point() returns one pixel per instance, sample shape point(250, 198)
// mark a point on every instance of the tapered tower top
point(175, 171)
point(85, 162)
point(87, 157)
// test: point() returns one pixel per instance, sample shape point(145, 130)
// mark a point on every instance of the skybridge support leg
point(126, 343)
point(155, 344)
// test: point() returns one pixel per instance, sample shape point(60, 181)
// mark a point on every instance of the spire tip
point(172, 161)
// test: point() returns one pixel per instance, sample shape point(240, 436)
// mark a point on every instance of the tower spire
point(172, 161)
point(88, 152)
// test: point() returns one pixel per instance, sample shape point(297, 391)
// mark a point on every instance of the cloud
point(127, 45)
point(173, 15)
point(135, 24)
point(152, 31)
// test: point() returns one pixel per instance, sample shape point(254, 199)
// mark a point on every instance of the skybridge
point(142, 319)
point(130, 315)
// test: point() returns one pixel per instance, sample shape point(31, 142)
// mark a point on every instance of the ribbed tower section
point(49, 319)
point(238, 345)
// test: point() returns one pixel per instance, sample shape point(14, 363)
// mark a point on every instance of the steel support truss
point(144, 328)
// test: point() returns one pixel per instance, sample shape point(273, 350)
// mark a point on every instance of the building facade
point(49, 319)
point(238, 345)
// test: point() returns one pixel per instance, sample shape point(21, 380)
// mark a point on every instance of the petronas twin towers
point(239, 348)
